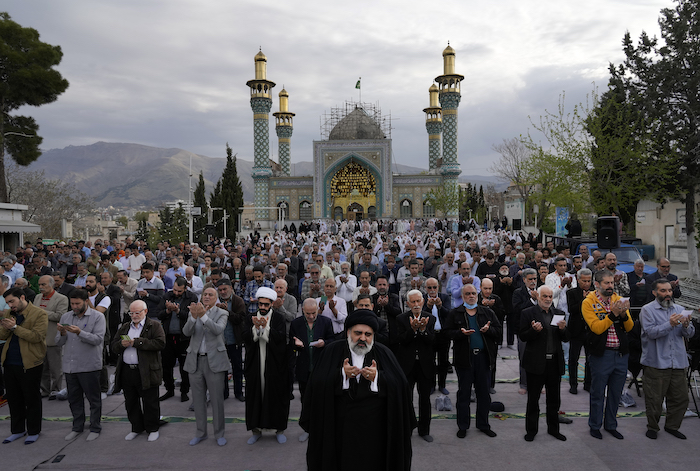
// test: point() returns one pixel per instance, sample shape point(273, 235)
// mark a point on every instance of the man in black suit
point(438, 305)
point(113, 314)
point(577, 329)
point(387, 307)
point(663, 270)
point(364, 301)
point(416, 333)
point(307, 350)
point(543, 360)
point(474, 331)
point(523, 298)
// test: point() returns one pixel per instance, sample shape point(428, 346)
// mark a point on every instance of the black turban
point(362, 316)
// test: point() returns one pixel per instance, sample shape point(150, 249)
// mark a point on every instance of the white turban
point(266, 292)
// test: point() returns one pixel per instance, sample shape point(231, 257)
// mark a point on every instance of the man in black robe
point(266, 369)
point(357, 403)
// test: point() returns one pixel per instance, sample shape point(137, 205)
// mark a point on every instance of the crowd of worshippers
point(362, 310)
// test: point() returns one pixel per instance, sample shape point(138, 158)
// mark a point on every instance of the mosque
point(352, 176)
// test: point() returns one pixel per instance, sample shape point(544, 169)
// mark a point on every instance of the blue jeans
point(608, 370)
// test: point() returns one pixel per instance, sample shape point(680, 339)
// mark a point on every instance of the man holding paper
point(665, 326)
point(543, 328)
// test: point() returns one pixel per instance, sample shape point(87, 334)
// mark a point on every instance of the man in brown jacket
point(24, 327)
point(139, 370)
point(55, 304)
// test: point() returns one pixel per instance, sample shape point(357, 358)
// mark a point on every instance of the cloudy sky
point(172, 73)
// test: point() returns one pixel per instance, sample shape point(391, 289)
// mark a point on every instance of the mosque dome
point(448, 51)
point(356, 125)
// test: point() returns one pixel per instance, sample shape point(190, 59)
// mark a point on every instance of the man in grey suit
point(207, 363)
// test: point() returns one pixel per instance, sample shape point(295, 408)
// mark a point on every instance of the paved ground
point(507, 451)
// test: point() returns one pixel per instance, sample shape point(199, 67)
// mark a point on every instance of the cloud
point(172, 73)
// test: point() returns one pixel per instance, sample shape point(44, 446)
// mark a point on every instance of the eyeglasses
point(262, 304)
point(664, 266)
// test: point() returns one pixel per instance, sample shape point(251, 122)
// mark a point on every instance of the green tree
point(144, 231)
point(200, 201)
point(27, 77)
point(122, 221)
point(443, 199)
point(173, 225)
point(228, 195)
point(623, 168)
point(662, 79)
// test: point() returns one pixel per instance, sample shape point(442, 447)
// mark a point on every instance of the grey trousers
point(671, 384)
point(52, 375)
point(81, 386)
point(200, 381)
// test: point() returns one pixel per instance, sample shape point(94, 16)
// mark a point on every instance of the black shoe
point(565, 420)
point(450, 369)
point(587, 388)
point(167, 395)
point(488, 432)
point(558, 436)
point(596, 434)
point(652, 434)
point(184, 397)
point(675, 433)
point(53, 397)
point(573, 389)
point(461, 433)
point(529, 437)
point(241, 398)
point(615, 433)
point(428, 438)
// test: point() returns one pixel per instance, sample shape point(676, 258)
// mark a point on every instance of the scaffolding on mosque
point(330, 119)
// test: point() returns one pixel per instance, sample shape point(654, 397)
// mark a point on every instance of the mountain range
point(134, 176)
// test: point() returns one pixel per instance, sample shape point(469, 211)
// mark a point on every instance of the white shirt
point(342, 309)
point(345, 289)
point(105, 303)
point(359, 360)
point(135, 262)
point(131, 356)
point(197, 286)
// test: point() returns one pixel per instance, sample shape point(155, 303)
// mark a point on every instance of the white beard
point(359, 349)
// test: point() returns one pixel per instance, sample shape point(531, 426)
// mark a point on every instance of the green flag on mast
point(357, 85)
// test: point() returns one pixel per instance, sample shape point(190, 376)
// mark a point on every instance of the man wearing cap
point(139, 370)
point(266, 368)
point(357, 401)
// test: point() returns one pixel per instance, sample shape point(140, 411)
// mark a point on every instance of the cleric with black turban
point(357, 401)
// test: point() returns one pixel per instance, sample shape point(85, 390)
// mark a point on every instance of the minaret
point(450, 95)
point(433, 123)
point(284, 128)
point(261, 103)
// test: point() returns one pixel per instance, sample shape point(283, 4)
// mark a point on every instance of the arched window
point(372, 212)
point(428, 210)
point(338, 213)
point(406, 209)
point(284, 209)
point(305, 211)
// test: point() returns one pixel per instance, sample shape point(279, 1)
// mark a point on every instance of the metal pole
point(189, 204)
point(225, 233)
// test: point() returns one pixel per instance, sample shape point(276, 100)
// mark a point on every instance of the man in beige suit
point(55, 304)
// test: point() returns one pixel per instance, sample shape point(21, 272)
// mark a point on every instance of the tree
point(559, 173)
point(49, 201)
point(200, 201)
point(173, 224)
point(623, 168)
point(663, 82)
point(228, 194)
point(122, 221)
point(512, 168)
point(144, 231)
point(443, 199)
point(27, 77)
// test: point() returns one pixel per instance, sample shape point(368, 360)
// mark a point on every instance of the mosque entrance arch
point(353, 187)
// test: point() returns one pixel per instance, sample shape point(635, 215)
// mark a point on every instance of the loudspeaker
point(608, 232)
